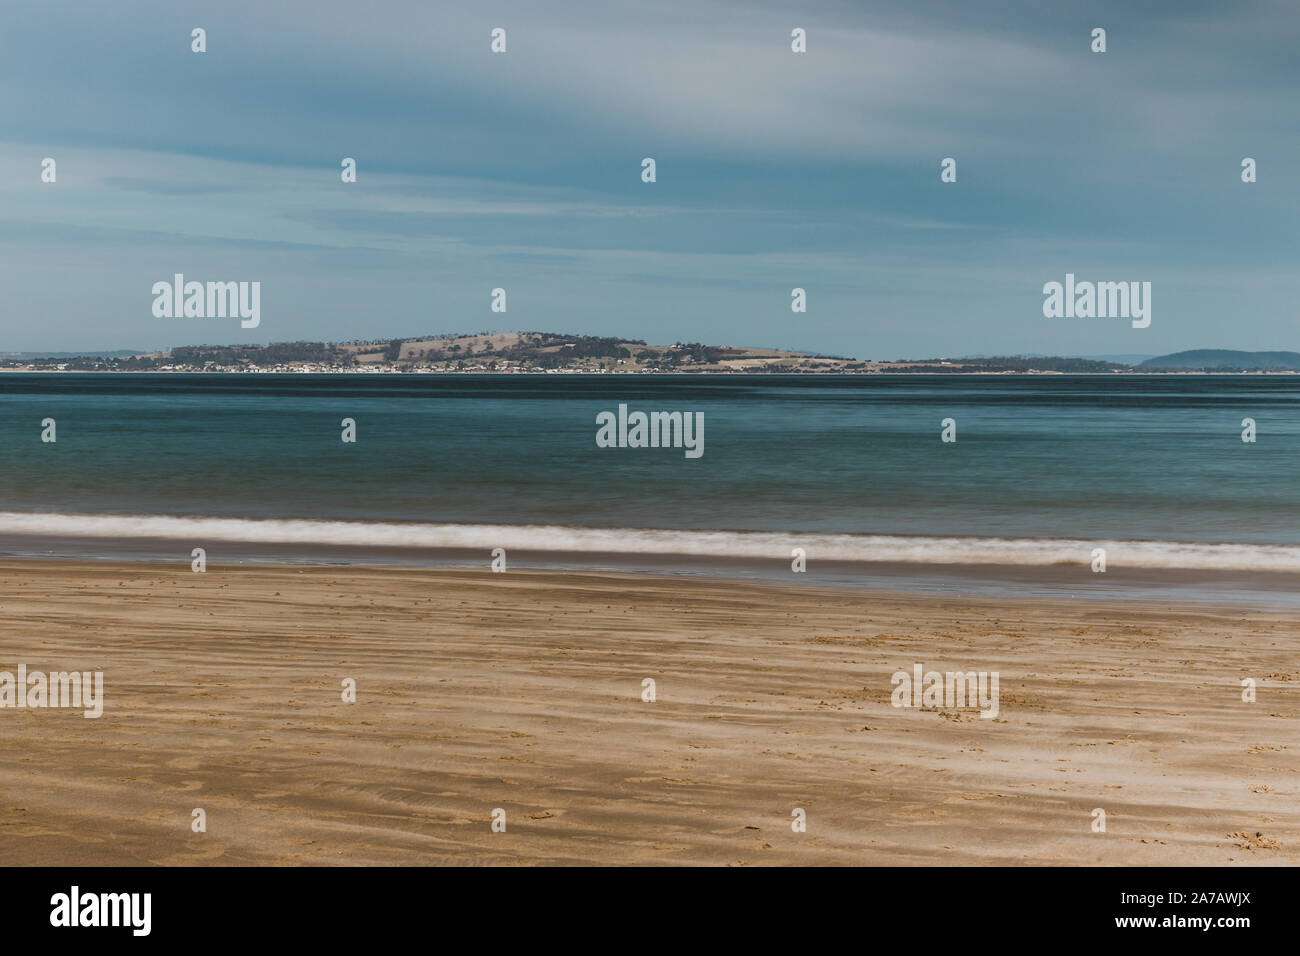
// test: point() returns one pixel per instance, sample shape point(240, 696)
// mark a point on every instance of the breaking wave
point(743, 545)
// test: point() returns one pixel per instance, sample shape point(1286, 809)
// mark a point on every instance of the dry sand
point(523, 691)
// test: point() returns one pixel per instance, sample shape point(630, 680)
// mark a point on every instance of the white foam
point(718, 544)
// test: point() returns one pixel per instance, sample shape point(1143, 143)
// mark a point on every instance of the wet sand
point(523, 691)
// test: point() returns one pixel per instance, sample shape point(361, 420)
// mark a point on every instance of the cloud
point(775, 169)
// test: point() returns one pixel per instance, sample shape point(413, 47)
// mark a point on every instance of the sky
point(775, 170)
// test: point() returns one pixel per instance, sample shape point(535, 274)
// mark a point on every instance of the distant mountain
point(1226, 360)
point(561, 352)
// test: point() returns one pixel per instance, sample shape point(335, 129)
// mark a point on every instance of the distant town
point(557, 353)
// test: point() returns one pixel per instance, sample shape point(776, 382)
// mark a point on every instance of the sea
point(848, 476)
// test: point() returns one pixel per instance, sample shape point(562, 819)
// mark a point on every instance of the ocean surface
point(850, 469)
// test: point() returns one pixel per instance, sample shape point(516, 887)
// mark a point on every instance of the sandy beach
point(523, 691)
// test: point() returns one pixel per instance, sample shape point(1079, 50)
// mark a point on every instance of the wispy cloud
point(775, 169)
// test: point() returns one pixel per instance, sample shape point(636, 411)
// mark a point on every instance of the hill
point(1225, 360)
point(560, 352)
point(457, 352)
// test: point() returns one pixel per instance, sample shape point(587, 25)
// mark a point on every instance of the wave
point(739, 545)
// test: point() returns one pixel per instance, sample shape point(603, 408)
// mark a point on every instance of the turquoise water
point(840, 461)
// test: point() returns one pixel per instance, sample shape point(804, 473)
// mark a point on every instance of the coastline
point(523, 691)
point(1072, 582)
point(757, 372)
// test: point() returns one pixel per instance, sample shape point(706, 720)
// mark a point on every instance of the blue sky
point(522, 170)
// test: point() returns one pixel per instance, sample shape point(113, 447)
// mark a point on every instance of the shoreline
point(658, 374)
point(523, 691)
point(1216, 574)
